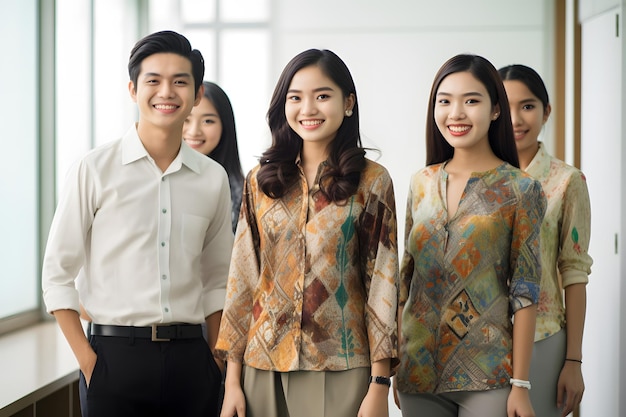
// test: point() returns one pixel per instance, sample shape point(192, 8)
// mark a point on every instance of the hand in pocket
point(88, 366)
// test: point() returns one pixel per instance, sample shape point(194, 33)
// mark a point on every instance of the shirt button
point(162, 178)
point(166, 309)
point(164, 211)
point(162, 243)
point(164, 277)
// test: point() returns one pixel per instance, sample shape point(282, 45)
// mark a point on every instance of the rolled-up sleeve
point(65, 249)
point(574, 262)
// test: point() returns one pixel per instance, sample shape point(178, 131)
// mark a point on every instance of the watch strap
point(381, 380)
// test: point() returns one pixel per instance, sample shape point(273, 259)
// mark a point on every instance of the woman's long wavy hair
point(501, 136)
point(346, 156)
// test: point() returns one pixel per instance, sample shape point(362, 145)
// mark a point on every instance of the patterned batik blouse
point(462, 279)
point(565, 236)
point(313, 284)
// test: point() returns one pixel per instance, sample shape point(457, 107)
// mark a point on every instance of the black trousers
point(137, 377)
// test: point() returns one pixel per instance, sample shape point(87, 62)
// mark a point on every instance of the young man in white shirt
point(147, 218)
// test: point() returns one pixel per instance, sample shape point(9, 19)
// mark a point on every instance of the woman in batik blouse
point(309, 325)
point(556, 364)
point(472, 256)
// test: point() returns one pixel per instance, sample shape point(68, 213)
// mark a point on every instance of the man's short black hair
point(165, 41)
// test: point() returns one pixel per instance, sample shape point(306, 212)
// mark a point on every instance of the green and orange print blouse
point(313, 284)
point(565, 234)
point(462, 278)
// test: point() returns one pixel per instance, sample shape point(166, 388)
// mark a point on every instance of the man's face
point(165, 91)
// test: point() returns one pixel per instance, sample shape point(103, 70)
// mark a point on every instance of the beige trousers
point(304, 393)
point(456, 404)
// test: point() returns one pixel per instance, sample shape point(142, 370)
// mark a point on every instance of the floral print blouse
point(462, 279)
point(565, 236)
point(313, 284)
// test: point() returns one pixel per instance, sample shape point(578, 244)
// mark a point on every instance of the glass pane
point(244, 10)
point(73, 74)
point(197, 11)
point(163, 14)
point(19, 281)
point(204, 41)
point(244, 75)
point(113, 110)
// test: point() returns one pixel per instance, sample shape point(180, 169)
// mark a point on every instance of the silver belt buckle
point(154, 334)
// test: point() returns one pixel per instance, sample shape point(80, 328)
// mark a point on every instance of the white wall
point(589, 8)
point(394, 48)
point(603, 109)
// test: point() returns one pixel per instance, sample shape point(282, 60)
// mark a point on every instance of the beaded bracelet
point(520, 383)
point(574, 360)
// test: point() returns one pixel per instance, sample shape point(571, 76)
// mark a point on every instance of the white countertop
point(34, 362)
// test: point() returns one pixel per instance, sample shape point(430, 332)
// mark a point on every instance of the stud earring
point(495, 116)
point(348, 113)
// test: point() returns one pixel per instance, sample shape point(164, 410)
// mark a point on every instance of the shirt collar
point(540, 162)
point(133, 150)
point(324, 163)
point(189, 157)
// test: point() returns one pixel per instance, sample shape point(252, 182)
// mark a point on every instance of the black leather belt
point(156, 332)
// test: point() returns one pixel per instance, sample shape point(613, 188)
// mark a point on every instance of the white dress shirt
point(154, 246)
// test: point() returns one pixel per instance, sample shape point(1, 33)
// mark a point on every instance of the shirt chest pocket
point(193, 233)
